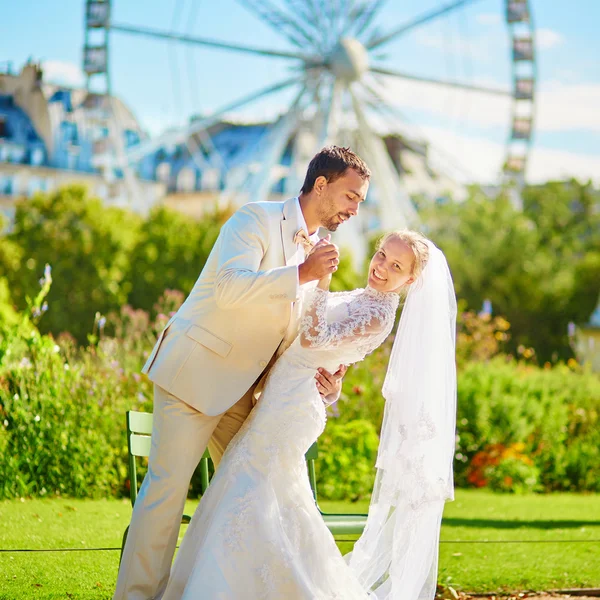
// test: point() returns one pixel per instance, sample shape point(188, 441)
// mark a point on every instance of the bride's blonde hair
point(417, 242)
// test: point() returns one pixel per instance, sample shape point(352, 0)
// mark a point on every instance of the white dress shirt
point(314, 238)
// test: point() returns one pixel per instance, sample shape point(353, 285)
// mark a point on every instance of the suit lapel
point(289, 227)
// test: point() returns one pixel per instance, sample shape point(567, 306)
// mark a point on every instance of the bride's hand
point(325, 281)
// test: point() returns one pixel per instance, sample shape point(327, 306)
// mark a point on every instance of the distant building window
point(16, 155)
point(71, 161)
point(186, 180)
point(35, 184)
point(163, 172)
point(131, 138)
point(37, 157)
point(69, 132)
point(211, 179)
point(6, 186)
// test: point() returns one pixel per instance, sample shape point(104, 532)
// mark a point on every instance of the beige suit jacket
point(238, 312)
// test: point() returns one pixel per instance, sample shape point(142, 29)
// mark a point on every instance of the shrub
point(347, 453)
point(554, 412)
point(504, 469)
point(62, 413)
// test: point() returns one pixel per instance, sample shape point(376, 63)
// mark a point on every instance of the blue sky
point(164, 83)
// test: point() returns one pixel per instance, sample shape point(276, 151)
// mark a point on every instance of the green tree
point(170, 254)
point(539, 267)
point(10, 262)
point(88, 245)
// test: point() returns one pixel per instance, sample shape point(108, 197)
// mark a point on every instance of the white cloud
point(548, 164)
point(487, 43)
point(559, 106)
point(480, 159)
point(478, 48)
point(489, 18)
point(568, 106)
point(63, 73)
point(548, 38)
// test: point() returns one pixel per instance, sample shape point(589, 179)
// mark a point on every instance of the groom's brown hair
point(332, 162)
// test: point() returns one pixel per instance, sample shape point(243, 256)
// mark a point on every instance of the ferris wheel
point(338, 78)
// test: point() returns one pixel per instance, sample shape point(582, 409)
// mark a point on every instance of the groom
point(206, 366)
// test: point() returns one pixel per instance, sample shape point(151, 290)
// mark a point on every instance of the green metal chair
point(338, 523)
point(139, 430)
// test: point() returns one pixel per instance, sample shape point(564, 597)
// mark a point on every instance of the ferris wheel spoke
point(354, 12)
point(418, 21)
point(204, 140)
point(165, 35)
point(334, 13)
point(179, 136)
point(395, 206)
point(309, 12)
point(291, 28)
point(443, 82)
point(304, 10)
point(368, 16)
point(390, 111)
point(330, 108)
point(270, 150)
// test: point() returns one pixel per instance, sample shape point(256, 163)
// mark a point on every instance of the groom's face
point(340, 199)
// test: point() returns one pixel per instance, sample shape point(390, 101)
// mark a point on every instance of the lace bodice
point(348, 325)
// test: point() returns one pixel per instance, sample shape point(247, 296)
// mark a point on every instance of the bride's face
point(391, 267)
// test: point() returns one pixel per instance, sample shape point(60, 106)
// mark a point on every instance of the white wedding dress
point(257, 532)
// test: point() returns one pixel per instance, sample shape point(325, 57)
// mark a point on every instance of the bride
point(257, 532)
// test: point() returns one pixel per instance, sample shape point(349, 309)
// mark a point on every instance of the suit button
point(263, 363)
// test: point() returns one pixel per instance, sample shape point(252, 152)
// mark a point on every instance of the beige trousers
point(180, 436)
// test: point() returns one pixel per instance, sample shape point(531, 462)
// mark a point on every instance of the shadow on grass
point(513, 524)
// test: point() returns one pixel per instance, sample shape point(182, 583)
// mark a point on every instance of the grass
point(475, 515)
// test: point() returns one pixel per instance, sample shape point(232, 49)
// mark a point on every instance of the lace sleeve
point(367, 319)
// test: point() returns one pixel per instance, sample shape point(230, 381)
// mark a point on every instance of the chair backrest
point(139, 442)
point(310, 456)
point(139, 430)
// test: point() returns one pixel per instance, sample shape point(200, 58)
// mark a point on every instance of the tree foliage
point(540, 267)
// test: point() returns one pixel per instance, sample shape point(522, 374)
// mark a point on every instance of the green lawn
point(475, 515)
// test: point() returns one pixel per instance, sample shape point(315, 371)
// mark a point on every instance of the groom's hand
point(330, 384)
point(322, 261)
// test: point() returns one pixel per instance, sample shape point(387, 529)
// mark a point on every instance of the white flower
point(56, 349)
point(66, 367)
point(37, 418)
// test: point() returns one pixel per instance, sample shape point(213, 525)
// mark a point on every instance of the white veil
point(397, 555)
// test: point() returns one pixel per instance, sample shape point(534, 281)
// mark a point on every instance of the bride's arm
point(368, 319)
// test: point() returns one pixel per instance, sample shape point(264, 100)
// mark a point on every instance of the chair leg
point(123, 544)
point(204, 475)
